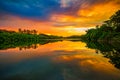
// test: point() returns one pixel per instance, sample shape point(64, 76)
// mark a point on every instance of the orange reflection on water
point(73, 59)
point(85, 63)
point(16, 54)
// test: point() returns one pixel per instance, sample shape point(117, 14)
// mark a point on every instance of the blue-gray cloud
point(61, 24)
point(39, 9)
point(42, 9)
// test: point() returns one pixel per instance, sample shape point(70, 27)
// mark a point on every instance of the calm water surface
point(64, 60)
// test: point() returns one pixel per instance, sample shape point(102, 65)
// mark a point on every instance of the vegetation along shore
point(109, 31)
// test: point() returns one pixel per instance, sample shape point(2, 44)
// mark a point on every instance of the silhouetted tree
point(115, 20)
point(34, 32)
point(19, 30)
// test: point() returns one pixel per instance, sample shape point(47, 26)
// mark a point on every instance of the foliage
point(14, 39)
point(108, 31)
point(102, 38)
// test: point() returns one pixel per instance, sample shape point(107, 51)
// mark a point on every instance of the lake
point(62, 60)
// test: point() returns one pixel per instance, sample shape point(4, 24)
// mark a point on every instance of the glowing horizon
point(56, 17)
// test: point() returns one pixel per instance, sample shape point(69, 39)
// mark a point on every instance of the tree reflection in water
point(27, 45)
point(109, 50)
point(33, 46)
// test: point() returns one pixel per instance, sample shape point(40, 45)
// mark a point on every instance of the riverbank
point(15, 39)
point(109, 31)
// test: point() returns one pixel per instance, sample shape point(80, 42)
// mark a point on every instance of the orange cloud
point(87, 16)
point(98, 12)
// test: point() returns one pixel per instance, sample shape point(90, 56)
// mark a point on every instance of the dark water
point(63, 60)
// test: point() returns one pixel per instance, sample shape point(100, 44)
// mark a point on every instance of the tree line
point(108, 31)
point(27, 31)
point(106, 39)
point(24, 37)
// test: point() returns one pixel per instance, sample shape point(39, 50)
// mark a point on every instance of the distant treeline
point(22, 38)
point(27, 31)
point(108, 31)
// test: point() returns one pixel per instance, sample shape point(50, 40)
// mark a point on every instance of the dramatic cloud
point(42, 9)
point(59, 15)
point(88, 13)
point(36, 9)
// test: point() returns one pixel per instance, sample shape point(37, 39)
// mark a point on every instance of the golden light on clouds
point(86, 17)
point(98, 12)
point(68, 22)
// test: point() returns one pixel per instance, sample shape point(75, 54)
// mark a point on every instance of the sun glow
point(65, 23)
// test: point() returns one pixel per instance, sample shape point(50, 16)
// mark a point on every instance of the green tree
point(115, 21)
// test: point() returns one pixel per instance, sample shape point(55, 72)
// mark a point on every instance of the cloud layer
point(42, 9)
point(55, 16)
point(36, 9)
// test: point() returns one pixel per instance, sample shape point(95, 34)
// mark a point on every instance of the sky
point(56, 17)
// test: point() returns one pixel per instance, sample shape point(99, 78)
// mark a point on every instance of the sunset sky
point(57, 17)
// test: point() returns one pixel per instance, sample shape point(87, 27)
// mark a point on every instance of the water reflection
point(33, 46)
point(64, 60)
point(110, 51)
point(26, 45)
